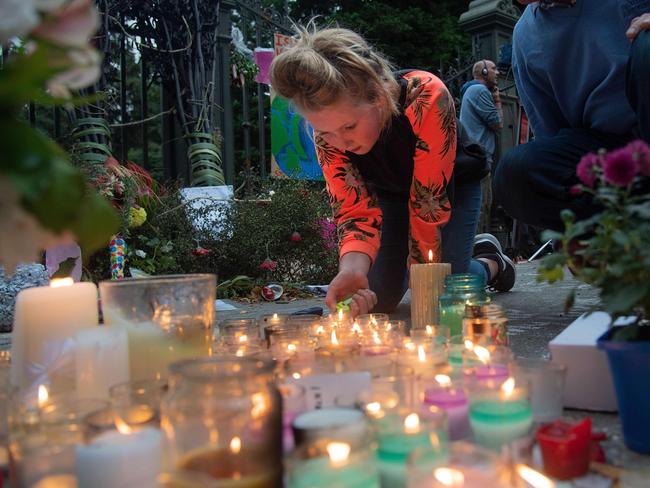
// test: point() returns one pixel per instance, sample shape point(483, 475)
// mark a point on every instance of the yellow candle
point(427, 284)
point(46, 321)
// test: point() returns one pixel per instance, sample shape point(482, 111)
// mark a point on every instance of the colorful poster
point(292, 144)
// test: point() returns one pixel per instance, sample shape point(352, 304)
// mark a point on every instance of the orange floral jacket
point(428, 119)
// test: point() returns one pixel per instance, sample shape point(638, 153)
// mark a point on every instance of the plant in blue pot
point(611, 251)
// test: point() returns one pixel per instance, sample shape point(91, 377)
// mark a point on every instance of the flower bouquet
point(44, 200)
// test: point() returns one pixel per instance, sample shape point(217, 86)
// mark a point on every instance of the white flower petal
point(17, 18)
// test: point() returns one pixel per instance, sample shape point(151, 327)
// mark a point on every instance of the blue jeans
point(388, 276)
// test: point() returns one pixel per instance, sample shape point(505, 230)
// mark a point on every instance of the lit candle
point(398, 436)
point(47, 318)
point(101, 361)
point(427, 284)
point(337, 467)
point(499, 416)
point(421, 357)
point(453, 401)
point(533, 478)
point(120, 458)
point(481, 363)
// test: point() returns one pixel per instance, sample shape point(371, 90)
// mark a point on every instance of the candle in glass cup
point(453, 400)
point(427, 284)
point(499, 413)
point(489, 362)
point(421, 357)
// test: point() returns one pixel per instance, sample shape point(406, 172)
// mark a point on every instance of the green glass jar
point(460, 290)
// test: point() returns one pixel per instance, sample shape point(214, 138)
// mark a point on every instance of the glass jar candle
point(460, 290)
point(222, 418)
point(166, 318)
point(488, 319)
point(239, 331)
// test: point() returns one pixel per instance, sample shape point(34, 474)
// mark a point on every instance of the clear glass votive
point(289, 343)
point(462, 465)
point(546, 380)
point(387, 393)
point(499, 411)
point(439, 334)
point(377, 359)
point(167, 318)
point(333, 463)
point(422, 355)
point(239, 330)
point(137, 403)
point(304, 320)
point(372, 319)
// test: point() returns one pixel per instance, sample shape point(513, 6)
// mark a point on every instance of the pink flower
point(268, 264)
point(620, 167)
point(575, 190)
point(71, 24)
point(641, 152)
point(587, 169)
point(327, 232)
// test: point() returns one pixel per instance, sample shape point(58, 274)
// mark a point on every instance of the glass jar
point(222, 419)
point(460, 290)
point(489, 319)
point(167, 318)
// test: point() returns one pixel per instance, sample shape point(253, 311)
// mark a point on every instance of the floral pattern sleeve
point(356, 211)
point(430, 109)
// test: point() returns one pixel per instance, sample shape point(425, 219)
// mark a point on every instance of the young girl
point(386, 143)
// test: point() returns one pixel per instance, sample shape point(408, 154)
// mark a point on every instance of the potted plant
point(611, 251)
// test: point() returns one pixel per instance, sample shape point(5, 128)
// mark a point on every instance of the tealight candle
point(47, 318)
point(499, 416)
point(454, 402)
point(427, 284)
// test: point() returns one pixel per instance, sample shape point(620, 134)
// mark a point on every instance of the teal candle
point(496, 423)
point(321, 471)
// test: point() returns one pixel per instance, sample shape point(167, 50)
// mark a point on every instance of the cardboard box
point(588, 383)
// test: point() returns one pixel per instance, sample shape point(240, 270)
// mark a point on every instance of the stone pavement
point(536, 315)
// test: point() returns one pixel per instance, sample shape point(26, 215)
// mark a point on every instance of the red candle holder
point(565, 448)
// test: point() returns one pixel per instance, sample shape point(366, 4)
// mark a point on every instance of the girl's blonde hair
point(326, 65)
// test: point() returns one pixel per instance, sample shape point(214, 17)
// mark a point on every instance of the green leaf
point(622, 299)
point(96, 222)
point(65, 268)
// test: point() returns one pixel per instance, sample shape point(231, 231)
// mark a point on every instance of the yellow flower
point(137, 217)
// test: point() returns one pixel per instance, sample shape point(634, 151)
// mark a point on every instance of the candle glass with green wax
point(460, 290)
point(399, 432)
point(167, 318)
point(499, 411)
point(334, 463)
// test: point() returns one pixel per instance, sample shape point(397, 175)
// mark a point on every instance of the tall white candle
point(427, 284)
point(114, 459)
point(101, 361)
point(46, 320)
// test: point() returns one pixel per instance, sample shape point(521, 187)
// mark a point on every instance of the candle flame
point(448, 476)
point(240, 353)
point(335, 341)
point(340, 315)
point(482, 353)
point(291, 347)
point(373, 320)
point(374, 410)
point(275, 316)
point(409, 345)
point(296, 376)
point(243, 338)
point(389, 326)
point(422, 356)
point(412, 423)
point(429, 330)
point(375, 338)
point(469, 345)
point(122, 427)
point(320, 330)
point(43, 395)
point(338, 452)
point(430, 256)
point(434, 439)
point(443, 380)
point(356, 328)
point(259, 405)
point(60, 282)
point(235, 445)
point(533, 477)
point(508, 386)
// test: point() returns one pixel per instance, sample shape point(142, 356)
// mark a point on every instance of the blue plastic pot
point(629, 362)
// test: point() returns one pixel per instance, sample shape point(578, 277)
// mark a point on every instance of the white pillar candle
point(101, 361)
point(114, 459)
point(427, 284)
point(46, 320)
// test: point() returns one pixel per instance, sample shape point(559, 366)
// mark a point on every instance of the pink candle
point(454, 402)
point(491, 372)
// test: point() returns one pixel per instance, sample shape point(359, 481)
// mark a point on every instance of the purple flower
point(620, 167)
point(328, 232)
point(641, 152)
point(587, 169)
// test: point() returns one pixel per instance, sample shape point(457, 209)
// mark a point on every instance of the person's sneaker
point(487, 246)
